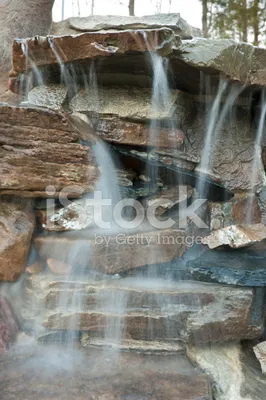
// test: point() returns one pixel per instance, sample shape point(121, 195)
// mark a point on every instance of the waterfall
point(257, 154)
point(27, 78)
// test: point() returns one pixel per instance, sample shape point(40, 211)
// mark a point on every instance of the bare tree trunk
point(205, 18)
point(131, 7)
point(92, 7)
point(256, 22)
point(63, 10)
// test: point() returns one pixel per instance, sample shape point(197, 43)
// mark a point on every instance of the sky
point(190, 10)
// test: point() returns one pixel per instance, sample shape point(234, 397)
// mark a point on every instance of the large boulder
point(40, 148)
point(143, 309)
point(113, 254)
point(102, 23)
point(16, 228)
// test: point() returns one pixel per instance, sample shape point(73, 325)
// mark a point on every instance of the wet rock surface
point(100, 23)
point(98, 375)
point(236, 236)
point(8, 325)
point(39, 147)
point(186, 312)
point(114, 253)
point(16, 229)
point(241, 268)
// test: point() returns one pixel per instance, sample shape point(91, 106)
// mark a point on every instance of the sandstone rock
point(16, 228)
point(234, 212)
point(139, 346)
point(115, 253)
point(260, 351)
point(242, 268)
point(127, 376)
point(58, 268)
point(236, 236)
point(8, 325)
point(143, 309)
point(99, 23)
point(89, 45)
point(168, 198)
point(131, 133)
point(52, 96)
point(223, 363)
point(34, 268)
point(221, 56)
point(39, 148)
point(124, 102)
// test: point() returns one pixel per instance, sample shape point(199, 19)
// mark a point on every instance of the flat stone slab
point(60, 373)
point(118, 22)
point(113, 254)
point(89, 45)
point(40, 147)
point(145, 310)
point(236, 236)
point(240, 268)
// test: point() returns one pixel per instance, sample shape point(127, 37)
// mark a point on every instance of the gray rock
point(236, 61)
point(229, 267)
point(118, 22)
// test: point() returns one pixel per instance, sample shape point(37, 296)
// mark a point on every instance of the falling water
point(257, 155)
point(27, 78)
point(212, 120)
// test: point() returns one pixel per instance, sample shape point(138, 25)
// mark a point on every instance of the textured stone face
point(116, 253)
point(38, 148)
point(179, 311)
point(8, 325)
point(128, 376)
point(88, 46)
point(16, 228)
point(100, 23)
point(236, 236)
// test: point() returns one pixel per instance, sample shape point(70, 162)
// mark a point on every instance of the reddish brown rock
point(16, 228)
point(34, 268)
point(58, 268)
point(148, 310)
point(129, 133)
point(96, 375)
point(39, 148)
point(8, 325)
point(89, 46)
point(235, 211)
point(115, 254)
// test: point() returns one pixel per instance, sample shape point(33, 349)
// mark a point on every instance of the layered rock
point(16, 228)
point(40, 148)
point(88, 46)
point(99, 23)
point(114, 253)
point(236, 236)
point(130, 376)
point(176, 311)
point(8, 325)
point(241, 268)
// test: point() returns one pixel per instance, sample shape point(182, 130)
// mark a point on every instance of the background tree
point(131, 7)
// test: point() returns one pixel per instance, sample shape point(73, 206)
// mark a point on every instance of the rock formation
point(139, 148)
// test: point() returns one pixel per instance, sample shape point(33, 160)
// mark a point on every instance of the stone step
point(144, 310)
point(137, 346)
point(83, 374)
point(89, 45)
point(113, 254)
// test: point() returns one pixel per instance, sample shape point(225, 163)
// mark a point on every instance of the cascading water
point(256, 163)
point(30, 64)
